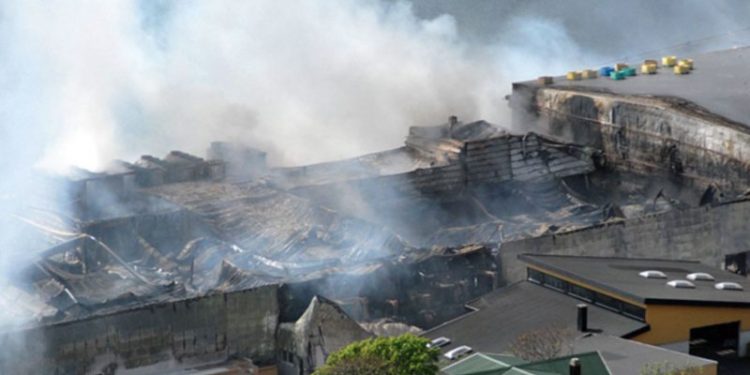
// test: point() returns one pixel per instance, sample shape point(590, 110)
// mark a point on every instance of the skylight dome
point(653, 274)
point(728, 285)
point(681, 284)
point(700, 276)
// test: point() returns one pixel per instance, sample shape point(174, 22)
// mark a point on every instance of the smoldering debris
point(407, 235)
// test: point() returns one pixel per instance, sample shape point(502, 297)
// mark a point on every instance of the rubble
point(407, 236)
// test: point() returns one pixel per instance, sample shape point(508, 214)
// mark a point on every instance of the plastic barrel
point(573, 76)
point(617, 76)
point(588, 74)
point(681, 69)
point(688, 63)
point(669, 61)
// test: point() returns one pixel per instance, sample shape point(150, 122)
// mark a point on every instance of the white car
point(439, 342)
point(457, 352)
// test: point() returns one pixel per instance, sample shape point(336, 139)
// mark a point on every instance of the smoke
point(86, 82)
point(308, 82)
point(82, 83)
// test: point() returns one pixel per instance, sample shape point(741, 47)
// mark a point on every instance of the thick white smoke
point(308, 81)
point(85, 82)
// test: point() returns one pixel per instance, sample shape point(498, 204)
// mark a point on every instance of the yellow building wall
point(587, 286)
point(711, 369)
point(670, 323)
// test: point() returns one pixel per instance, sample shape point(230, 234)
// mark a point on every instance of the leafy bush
point(403, 355)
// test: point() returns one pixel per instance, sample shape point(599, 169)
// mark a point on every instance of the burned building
point(183, 260)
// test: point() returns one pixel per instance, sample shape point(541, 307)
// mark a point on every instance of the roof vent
point(728, 285)
point(681, 284)
point(653, 274)
point(700, 276)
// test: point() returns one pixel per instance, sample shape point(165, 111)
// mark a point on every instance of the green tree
point(403, 355)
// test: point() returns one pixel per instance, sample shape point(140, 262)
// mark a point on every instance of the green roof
point(591, 364)
point(477, 364)
point(509, 359)
point(497, 364)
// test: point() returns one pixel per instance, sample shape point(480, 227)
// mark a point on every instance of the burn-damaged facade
point(180, 261)
point(164, 259)
point(689, 134)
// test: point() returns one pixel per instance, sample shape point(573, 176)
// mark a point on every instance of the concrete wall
point(705, 233)
point(638, 133)
point(196, 330)
point(424, 292)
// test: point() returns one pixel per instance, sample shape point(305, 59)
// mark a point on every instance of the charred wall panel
point(645, 134)
point(422, 293)
point(704, 233)
point(197, 330)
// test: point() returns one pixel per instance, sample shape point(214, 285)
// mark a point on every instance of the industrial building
point(687, 306)
point(604, 304)
point(183, 261)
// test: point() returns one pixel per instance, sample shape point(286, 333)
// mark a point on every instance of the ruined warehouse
point(185, 260)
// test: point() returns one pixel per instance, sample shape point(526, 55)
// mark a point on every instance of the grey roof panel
point(620, 276)
point(627, 357)
point(519, 308)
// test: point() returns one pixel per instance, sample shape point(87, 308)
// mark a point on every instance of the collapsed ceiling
point(178, 227)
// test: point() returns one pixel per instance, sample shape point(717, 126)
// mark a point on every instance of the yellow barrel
point(648, 68)
point(588, 74)
point(669, 60)
point(545, 80)
point(688, 63)
point(681, 69)
point(651, 62)
point(573, 76)
point(620, 66)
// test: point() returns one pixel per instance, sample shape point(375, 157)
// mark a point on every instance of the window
point(681, 284)
point(728, 285)
point(535, 276)
point(653, 274)
point(608, 302)
point(581, 293)
point(555, 283)
point(585, 294)
point(634, 311)
point(700, 276)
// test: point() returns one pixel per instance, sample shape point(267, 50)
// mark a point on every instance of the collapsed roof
point(172, 228)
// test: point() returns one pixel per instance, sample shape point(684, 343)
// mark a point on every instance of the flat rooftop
point(627, 357)
point(621, 276)
point(719, 82)
point(506, 313)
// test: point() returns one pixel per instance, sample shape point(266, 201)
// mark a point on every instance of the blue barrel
point(606, 71)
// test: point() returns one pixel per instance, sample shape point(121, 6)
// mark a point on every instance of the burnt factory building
point(181, 261)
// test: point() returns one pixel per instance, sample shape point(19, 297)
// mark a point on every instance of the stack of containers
point(573, 76)
point(649, 67)
point(629, 72)
point(687, 63)
point(617, 75)
point(669, 61)
point(545, 80)
point(588, 74)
